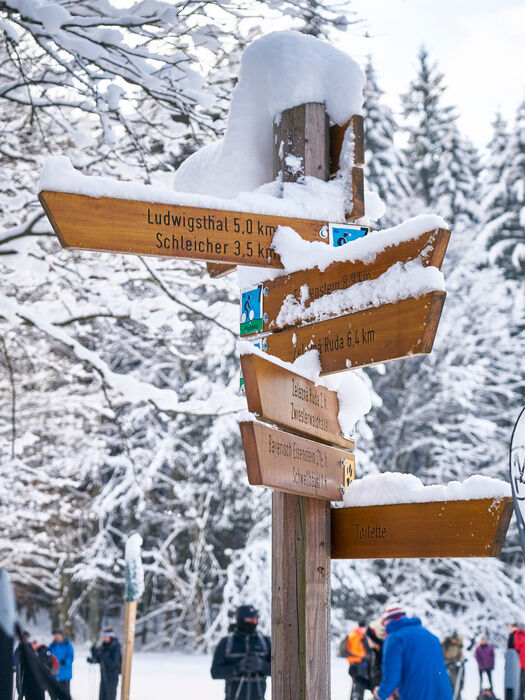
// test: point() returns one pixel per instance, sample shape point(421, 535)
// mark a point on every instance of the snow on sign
point(169, 230)
point(302, 290)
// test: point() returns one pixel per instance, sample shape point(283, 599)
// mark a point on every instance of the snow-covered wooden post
point(301, 525)
point(134, 589)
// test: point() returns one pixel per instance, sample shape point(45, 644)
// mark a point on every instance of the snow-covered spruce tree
point(385, 163)
point(504, 201)
point(428, 120)
point(447, 415)
point(120, 387)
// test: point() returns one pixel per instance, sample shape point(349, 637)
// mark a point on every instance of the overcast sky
point(479, 46)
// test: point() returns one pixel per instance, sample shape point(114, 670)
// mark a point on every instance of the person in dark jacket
point(18, 664)
point(62, 649)
point(243, 658)
point(109, 655)
point(484, 654)
point(413, 661)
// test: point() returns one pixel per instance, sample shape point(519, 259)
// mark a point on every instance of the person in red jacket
point(517, 641)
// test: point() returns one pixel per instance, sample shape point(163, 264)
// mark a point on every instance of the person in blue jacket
point(413, 662)
point(62, 648)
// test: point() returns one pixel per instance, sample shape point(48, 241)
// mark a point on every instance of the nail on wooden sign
point(294, 464)
point(277, 395)
point(429, 247)
point(473, 528)
point(387, 332)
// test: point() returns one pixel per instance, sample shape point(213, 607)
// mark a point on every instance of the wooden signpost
point(473, 528)
point(296, 446)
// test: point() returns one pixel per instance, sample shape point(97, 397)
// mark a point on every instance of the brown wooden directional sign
point(474, 528)
point(164, 230)
point(285, 398)
point(388, 332)
point(429, 247)
point(291, 463)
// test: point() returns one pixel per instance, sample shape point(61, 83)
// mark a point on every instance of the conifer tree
point(385, 166)
point(504, 202)
point(428, 122)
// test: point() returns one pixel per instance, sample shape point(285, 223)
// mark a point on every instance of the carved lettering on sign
point(282, 397)
point(292, 463)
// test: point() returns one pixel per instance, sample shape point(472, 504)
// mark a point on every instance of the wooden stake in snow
point(134, 589)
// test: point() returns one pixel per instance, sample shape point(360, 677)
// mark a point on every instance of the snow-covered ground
point(170, 676)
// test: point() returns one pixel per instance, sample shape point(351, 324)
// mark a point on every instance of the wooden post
point(301, 525)
point(130, 615)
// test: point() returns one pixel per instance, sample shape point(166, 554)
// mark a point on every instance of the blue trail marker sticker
point(252, 311)
point(340, 234)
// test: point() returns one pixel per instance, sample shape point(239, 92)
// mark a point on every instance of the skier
point(243, 658)
point(517, 641)
point(356, 653)
point(109, 655)
point(62, 649)
point(412, 660)
point(453, 653)
point(484, 653)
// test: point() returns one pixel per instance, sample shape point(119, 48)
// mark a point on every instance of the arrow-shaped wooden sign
point(387, 332)
point(291, 463)
point(429, 247)
point(277, 395)
point(473, 528)
point(167, 230)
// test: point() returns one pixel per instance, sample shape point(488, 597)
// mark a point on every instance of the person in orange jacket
point(356, 655)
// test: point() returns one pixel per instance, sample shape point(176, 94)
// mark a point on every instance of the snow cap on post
point(134, 570)
point(278, 71)
point(7, 605)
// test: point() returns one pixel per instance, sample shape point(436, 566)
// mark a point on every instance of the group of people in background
point(39, 668)
point(395, 656)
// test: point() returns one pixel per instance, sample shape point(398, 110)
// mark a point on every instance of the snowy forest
point(129, 93)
